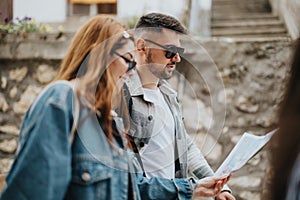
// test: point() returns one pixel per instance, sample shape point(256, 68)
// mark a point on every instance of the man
point(157, 128)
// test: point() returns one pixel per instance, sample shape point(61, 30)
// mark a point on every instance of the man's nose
point(176, 58)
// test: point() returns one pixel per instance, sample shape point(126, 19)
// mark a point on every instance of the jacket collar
point(134, 84)
point(136, 89)
point(166, 88)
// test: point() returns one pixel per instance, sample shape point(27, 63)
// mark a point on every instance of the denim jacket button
point(86, 176)
point(120, 152)
point(150, 117)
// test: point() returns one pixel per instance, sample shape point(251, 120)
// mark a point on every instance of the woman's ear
point(140, 45)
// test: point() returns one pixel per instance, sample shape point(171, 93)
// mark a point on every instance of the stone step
point(241, 5)
point(247, 23)
point(253, 4)
point(245, 18)
point(257, 37)
point(249, 31)
point(242, 16)
point(238, 1)
point(238, 11)
point(237, 20)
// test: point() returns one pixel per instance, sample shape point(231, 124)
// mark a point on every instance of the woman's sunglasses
point(131, 63)
point(170, 50)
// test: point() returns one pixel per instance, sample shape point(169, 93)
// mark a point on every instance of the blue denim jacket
point(48, 166)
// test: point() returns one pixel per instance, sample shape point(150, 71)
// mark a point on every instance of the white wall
point(199, 23)
point(136, 8)
point(41, 10)
point(288, 11)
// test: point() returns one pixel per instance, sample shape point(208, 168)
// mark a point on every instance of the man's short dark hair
point(158, 21)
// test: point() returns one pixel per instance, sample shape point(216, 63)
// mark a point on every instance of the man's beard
point(157, 69)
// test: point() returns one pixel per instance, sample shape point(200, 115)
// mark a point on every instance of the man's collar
point(166, 88)
point(136, 89)
point(134, 84)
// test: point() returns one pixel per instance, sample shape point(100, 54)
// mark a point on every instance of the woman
point(286, 143)
point(72, 143)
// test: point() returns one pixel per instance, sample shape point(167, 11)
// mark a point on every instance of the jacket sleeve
point(157, 187)
point(42, 165)
point(197, 164)
point(162, 188)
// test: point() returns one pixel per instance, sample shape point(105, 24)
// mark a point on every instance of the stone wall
point(21, 81)
point(247, 75)
point(253, 74)
point(27, 63)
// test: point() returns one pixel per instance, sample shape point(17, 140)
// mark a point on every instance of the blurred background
point(230, 80)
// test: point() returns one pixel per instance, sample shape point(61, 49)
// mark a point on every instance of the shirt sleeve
point(42, 166)
point(197, 164)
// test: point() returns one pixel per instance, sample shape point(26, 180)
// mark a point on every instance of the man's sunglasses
point(131, 63)
point(170, 50)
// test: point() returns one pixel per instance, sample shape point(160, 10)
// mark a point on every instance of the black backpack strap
point(131, 138)
point(137, 154)
point(178, 173)
point(127, 98)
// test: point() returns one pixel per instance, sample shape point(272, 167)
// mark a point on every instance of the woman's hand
point(210, 186)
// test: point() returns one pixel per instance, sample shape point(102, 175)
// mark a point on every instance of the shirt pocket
point(142, 120)
point(90, 180)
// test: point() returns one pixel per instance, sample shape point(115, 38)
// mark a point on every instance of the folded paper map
point(243, 151)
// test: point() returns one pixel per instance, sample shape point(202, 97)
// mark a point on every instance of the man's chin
point(167, 76)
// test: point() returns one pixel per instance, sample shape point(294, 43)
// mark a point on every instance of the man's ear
point(140, 45)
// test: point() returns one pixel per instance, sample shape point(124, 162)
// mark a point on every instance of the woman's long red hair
point(96, 39)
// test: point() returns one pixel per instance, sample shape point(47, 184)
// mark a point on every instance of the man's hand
point(225, 196)
point(210, 186)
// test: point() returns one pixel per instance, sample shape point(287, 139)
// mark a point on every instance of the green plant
point(25, 25)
